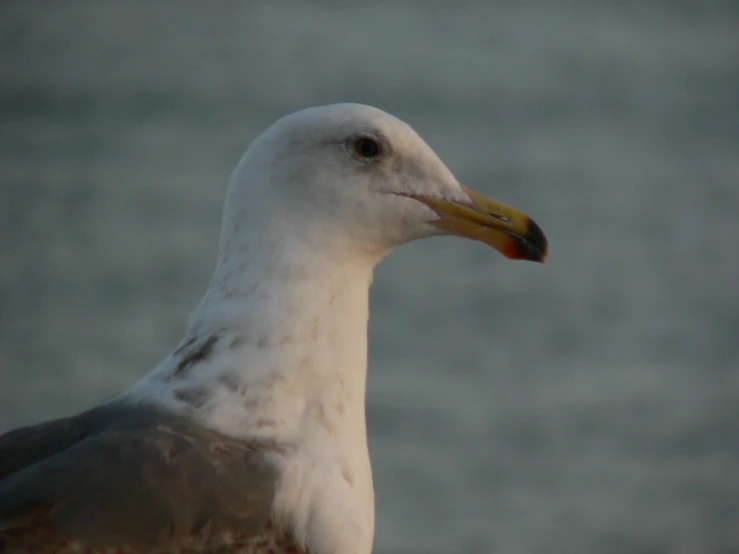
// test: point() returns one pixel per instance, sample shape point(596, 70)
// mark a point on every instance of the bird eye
point(366, 147)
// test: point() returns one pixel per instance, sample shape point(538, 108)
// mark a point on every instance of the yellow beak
point(510, 232)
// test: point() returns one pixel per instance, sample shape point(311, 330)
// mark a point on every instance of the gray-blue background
point(586, 406)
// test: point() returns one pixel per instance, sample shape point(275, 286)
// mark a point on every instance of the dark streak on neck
point(201, 353)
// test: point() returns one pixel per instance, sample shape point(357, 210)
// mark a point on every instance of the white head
point(352, 178)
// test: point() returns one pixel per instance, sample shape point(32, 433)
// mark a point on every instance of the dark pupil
point(367, 148)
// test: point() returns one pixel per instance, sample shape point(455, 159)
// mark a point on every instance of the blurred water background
point(586, 406)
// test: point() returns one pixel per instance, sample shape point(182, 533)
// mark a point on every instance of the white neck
point(297, 329)
point(277, 352)
point(282, 326)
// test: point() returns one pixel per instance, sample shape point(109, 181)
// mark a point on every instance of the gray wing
point(134, 478)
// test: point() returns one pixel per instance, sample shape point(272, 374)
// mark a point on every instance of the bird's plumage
point(250, 436)
point(138, 478)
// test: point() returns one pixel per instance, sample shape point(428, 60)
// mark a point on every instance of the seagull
point(250, 436)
